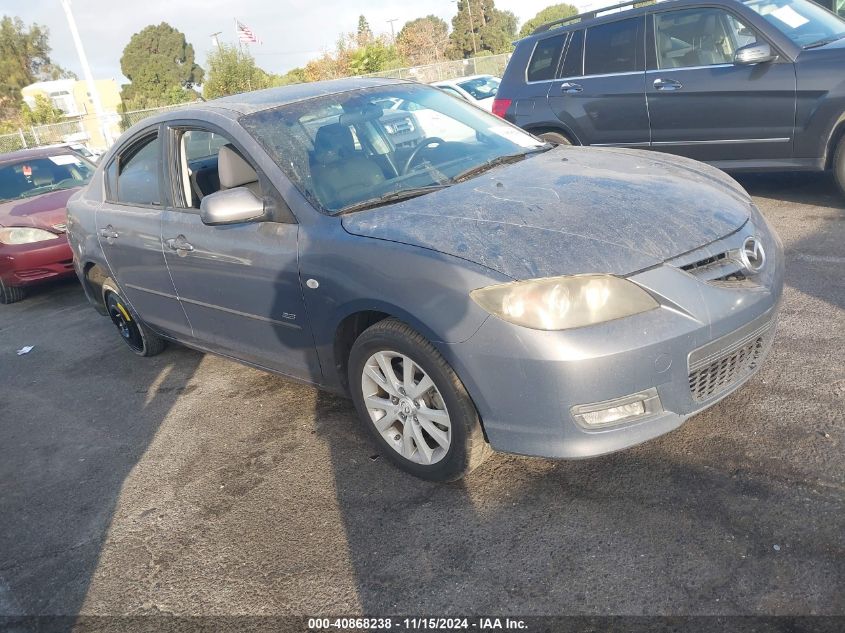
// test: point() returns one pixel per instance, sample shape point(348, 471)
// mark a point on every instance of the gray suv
point(743, 85)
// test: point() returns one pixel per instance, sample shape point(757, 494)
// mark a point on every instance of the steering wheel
point(426, 143)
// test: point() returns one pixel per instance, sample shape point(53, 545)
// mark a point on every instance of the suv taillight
point(500, 106)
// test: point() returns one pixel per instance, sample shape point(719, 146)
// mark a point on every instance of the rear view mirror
point(756, 53)
point(231, 206)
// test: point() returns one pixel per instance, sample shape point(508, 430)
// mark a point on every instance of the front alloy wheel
point(414, 405)
point(406, 407)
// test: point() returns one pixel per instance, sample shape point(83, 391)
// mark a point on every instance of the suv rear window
point(613, 47)
point(545, 58)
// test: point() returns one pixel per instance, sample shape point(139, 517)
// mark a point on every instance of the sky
point(293, 31)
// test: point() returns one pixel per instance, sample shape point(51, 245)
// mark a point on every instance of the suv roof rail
point(590, 15)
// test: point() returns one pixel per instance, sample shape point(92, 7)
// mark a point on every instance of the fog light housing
point(619, 410)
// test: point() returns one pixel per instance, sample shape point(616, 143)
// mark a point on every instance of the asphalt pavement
point(189, 484)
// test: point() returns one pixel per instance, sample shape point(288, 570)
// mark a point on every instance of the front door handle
point(180, 245)
point(109, 233)
point(570, 88)
point(667, 85)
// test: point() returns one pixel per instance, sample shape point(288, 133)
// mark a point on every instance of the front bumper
point(705, 341)
point(26, 264)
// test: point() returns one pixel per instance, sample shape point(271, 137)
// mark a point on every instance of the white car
point(477, 89)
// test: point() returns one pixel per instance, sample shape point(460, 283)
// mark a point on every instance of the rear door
point(129, 232)
point(599, 91)
point(704, 106)
point(238, 283)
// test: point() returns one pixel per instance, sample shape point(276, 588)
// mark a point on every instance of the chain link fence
point(487, 65)
point(95, 132)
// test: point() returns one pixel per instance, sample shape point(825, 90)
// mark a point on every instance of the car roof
point(457, 80)
point(35, 152)
point(249, 102)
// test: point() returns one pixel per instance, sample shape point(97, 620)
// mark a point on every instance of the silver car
point(489, 291)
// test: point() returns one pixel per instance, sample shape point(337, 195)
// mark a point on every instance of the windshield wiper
point(498, 160)
point(824, 41)
point(391, 196)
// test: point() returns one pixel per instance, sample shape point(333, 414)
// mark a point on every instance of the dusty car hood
point(44, 211)
point(568, 211)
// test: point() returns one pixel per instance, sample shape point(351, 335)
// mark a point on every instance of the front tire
point(10, 294)
point(413, 404)
point(137, 336)
point(839, 165)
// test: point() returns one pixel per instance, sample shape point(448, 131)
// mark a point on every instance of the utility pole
point(215, 39)
point(472, 28)
point(86, 72)
point(471, 24)
point(392, 32)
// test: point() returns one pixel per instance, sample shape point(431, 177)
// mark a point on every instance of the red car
point(35, 185)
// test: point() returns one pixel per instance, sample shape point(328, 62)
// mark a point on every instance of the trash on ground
point(26, 349)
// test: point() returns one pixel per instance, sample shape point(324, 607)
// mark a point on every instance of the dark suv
point(741, 84)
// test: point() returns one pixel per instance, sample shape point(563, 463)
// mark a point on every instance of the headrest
point(42, 177)
point(233, 170)
point(332, 142)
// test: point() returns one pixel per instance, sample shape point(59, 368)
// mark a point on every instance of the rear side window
point(573, 62)
point(613, 48)
point(138, 174)
point(545, 58)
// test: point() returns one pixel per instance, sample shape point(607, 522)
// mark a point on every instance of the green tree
point(489, 29)
point(160, 65)
point(424, 40)
point(232, 70)
point(365, 33)
point(24, 59)
point(43, 111)
point(293, 76)
point(549, 14)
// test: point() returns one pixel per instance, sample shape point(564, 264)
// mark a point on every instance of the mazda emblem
point(752, 255)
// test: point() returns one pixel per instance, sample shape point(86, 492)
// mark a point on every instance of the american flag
point(246, 35)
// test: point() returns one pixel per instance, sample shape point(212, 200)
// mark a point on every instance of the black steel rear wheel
point(137, 336)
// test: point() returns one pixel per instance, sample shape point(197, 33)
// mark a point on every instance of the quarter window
point(545, 58)
point(138, 174)
point(613, 48)
point(699, 37)
point(573, 65)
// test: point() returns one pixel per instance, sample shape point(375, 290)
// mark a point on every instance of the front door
point(129, 232)
point(603, 101)
point(704, 106)
point(238, 283)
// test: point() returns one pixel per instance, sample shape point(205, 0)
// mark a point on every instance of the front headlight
point(24, 235)
point(560, 303)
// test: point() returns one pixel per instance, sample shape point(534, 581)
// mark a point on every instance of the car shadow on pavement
point(811, 188)
point(64, 455)
point(655, 529)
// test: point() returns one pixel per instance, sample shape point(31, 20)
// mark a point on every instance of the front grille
point(710, 377)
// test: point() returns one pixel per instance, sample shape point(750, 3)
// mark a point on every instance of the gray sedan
point(481, 290)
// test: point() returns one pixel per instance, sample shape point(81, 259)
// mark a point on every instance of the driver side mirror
point(232, 206)
point(757, 53)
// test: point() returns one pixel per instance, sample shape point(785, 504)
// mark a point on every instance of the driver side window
point(208, 163)
point(699, 37)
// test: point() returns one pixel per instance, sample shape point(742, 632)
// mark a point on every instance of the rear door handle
point(180, 245)
point(667, 85)
point(569, 87)
point(109, 233)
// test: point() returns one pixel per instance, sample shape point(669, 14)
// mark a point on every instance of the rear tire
point(11, 294)
point(556, 138)
point(137, 336)
point(839, 165)
point(433, 432)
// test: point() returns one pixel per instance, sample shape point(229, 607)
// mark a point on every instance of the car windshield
point(357, 149)
point(34, 176)
point(804, 22)
point(481, 87)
